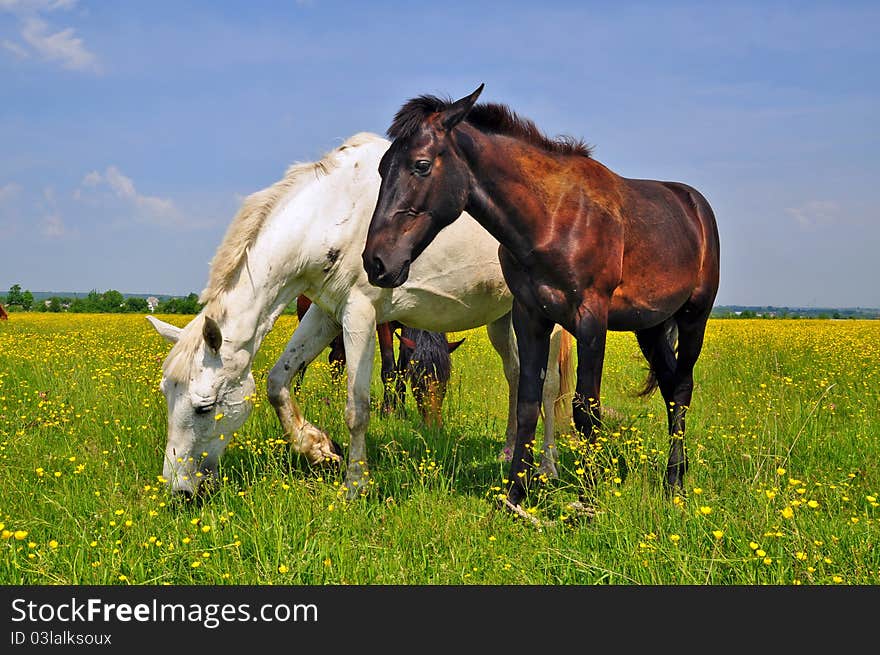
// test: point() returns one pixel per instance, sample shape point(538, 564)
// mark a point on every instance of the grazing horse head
point(208, 386)
point(424, 360)
point(424, 187)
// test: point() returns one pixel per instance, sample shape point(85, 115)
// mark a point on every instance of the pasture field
point(783, 486)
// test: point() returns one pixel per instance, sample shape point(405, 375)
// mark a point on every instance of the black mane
point(430, 358)
point(492, 118)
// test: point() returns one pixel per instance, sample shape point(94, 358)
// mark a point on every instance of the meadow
point(782, 489)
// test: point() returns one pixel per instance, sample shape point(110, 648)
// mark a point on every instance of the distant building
point(152, 303)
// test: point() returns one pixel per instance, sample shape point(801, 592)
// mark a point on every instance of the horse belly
point(434, 310)
point(628, 315)
point(456, 284)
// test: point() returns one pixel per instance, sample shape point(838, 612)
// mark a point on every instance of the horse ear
point(453, 345)
point(455, 113)
point(406, 341)
point(166, 330)
point(211, 333)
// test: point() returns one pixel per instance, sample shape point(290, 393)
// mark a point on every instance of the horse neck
point(290, 254)
point(508, 195)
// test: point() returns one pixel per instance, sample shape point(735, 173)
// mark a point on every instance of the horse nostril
point(378, 267)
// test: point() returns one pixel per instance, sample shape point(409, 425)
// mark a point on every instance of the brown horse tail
point(563, 403)
point(668, 347)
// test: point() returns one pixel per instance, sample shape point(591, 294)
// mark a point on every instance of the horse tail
point(562, 406)
point(669, 347)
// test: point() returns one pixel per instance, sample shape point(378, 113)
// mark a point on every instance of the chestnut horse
point(580, 246)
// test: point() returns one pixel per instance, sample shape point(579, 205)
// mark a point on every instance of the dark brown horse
point(580, 246)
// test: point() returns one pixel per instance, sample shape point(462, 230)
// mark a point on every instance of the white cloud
point(815, 213)
point(63, 47)
point(93, 179)
point(122, 185)
point(40, 39)
point(148, 209)
point(31, 6)
point(53, 226)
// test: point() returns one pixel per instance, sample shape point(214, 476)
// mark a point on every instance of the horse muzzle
point(381, 275)
point(189, 482)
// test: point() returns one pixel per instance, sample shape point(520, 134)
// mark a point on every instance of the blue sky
point(130, 131)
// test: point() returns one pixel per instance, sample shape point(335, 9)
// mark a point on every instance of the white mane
point(232, 252)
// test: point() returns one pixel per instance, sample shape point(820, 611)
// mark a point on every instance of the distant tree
point(27, 301)
point(188, 305)
point(134, 304)
point(14, 298)
point(54, 304)
point(192, 304)
point(78, 306)
point(90, 304)
point(112, 301)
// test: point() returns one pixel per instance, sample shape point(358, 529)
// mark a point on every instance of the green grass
point(782, 488)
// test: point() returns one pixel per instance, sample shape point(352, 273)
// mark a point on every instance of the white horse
point(304, 235)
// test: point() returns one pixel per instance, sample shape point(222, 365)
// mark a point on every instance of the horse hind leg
point(691, 330)
point(391, 398)
point(658, 345)
point(336, 358)
point(503, 340)
point(673, 373)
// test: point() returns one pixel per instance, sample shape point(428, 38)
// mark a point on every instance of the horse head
point(425, 362)
point(425, 187)
point(208, 386)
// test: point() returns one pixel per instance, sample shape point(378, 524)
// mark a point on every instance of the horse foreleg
point(358, 328)
point(590, 332)
point(549, 456)
point(311, 336)
point(533, 346)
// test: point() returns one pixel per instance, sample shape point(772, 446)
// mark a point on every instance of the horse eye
point(203, 409)
point(422, 167)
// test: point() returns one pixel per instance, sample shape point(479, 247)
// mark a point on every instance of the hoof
point(357, 481)
point(580, 510)
point(353, 490)
point(548, 469)
point(674, 491)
